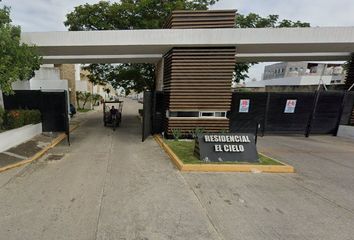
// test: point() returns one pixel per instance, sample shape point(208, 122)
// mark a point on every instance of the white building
point(300, 74)
point(46, 78)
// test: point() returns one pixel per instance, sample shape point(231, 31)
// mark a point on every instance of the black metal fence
point(290, 113)
point(52, 105)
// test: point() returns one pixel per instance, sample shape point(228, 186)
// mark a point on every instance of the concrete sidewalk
point(31, 150)
point(25, 150)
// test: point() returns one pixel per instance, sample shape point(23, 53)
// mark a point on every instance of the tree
point(18, 61)
point(78, 99)
point(95, 98)
point(127, 14)
point(83, 97)
point(253, 20)
point(150, 14)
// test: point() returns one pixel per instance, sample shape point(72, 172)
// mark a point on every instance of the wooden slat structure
point(198, 79)
point(201, 19)
point(190, 124)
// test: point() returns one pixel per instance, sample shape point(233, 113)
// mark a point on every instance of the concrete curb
point(39, 154)
point(222, 167)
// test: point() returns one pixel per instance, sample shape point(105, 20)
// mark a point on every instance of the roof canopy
point(252, 45)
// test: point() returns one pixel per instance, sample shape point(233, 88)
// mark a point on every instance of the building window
point(209, 114)
point(184, 114)
point(220, 114)
point(196, 114)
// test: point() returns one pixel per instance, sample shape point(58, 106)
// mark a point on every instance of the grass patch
point(83, 110)
point(185, 151)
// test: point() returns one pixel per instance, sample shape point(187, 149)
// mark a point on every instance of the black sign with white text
point(228, 147)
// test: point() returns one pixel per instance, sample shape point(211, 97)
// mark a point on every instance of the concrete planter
point(346, 131)
point(17, 136)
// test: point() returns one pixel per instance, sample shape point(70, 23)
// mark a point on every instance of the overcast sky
point(49, 15)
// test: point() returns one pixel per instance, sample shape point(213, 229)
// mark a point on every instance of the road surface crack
point(103, 191)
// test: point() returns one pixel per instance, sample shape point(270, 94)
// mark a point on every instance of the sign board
point(227, 147)
point(290, 106)
point(244, 105)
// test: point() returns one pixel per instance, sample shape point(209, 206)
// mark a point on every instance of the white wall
point(77, 72)
point(14, 137)
point(291, 81)
point(47, 72)
point(346, 131)
point(49, 85)
point(81, 86)
point(21, 85)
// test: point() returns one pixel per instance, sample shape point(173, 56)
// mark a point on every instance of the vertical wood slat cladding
point(201, 19)
point(197, 79)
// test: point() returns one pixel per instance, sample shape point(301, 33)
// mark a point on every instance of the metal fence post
point(339, 115)
point(312, 115)
point(266, 114)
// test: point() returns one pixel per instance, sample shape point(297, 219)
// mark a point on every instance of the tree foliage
point(83, 97)
point(150, 14)
point(18, 61)
point(95, 98)
point(127, 14)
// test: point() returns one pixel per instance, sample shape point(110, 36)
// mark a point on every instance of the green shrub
point(176, 133)
point(196, 132)
point(15, 119)
point(223, 131)
point(32, 116)
point(19, 118)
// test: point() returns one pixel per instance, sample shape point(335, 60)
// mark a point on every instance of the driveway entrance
point(110, 185)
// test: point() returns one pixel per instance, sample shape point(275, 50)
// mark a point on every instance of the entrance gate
point(315, 112)
point(52, 105)
point(147, 116)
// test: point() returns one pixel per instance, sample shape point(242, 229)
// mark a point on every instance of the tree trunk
point(1, 100)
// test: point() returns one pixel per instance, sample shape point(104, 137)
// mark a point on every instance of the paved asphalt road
point(109, 185)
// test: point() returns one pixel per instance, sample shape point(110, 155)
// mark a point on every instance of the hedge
point(18, 118)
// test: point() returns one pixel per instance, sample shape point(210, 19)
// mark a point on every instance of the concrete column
point(68, 72)
point(159, 75)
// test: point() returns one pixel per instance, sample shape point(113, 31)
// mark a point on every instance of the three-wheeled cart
point(108, 119)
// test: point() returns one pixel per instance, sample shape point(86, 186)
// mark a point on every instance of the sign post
point(228, 147)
